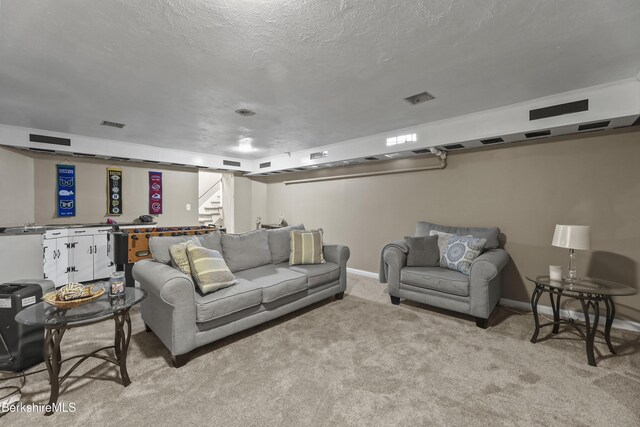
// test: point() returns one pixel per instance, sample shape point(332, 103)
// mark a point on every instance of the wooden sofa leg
point(395, 300)
point(340, 295)
point(180, 360)
point(482, 323)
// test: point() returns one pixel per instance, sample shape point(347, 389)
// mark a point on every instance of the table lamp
point(572, 237)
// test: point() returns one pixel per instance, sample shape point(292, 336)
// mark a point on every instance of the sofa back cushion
point(159, 246)
point(491, 234)
point(247, 250)
point(280, 242)
point(212, 241)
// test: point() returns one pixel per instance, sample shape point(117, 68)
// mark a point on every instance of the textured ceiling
point(315, 72)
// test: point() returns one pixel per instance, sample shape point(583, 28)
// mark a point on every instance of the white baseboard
point(362, 273)
point(628, 325)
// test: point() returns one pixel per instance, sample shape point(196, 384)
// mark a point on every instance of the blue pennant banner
point(66, 190)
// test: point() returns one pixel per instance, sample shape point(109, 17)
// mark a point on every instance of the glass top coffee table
point(57, 321)
point(590, 292)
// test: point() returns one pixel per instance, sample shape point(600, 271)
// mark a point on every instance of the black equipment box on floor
point(21, 346)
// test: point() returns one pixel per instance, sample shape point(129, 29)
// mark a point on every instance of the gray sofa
point(267, 287)
point(476, 294)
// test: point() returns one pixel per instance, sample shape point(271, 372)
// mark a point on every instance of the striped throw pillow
point(208, 269)
point(306, 247)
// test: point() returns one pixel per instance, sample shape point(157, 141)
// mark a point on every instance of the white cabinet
point(56, 256)
point(76, 255)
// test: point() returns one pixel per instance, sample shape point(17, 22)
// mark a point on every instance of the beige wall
point(250, 202)
point(180, 186)
point(525, 190)
point(16, 188)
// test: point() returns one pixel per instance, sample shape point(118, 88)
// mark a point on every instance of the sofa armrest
point(394, 259)
point(338, 254)
point(485, 281)
point(170, 284)
point(170, 308)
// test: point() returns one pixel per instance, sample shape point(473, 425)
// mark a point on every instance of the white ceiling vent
point(318, 155)
point(419, 98)
point(112, 124)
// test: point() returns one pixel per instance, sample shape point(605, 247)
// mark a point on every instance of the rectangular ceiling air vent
point(490, 141)
point(112, 124)
point(300, 169)
point(178, 164)
point(288, 170)
point(559, 109)
point(453, 146)
point(318, 155)
point(371, 158)
point(83, 155)
point(123, 159)
point(44, 139)
point(537, 134)
point(204, 167)
point(41, 150)
point(596, 125)
point(265, 165)
point(231, 163)
point(419, 98)
point(151, 161)
point(422, 151)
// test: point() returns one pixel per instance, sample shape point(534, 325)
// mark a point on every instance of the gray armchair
point(476, 294)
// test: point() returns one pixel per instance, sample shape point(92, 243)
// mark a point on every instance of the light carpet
point(358, 361)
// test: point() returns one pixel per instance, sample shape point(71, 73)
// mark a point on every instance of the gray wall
point(16, 188)
point(525, 190)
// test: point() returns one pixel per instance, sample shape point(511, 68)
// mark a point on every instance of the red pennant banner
point(155, 193)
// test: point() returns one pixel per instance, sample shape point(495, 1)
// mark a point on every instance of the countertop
point(40, 229)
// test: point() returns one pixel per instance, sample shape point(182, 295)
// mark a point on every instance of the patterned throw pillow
point(306, 247)
point(461, 252)
point(179, 258)
point(208, 269)
point(443, 242)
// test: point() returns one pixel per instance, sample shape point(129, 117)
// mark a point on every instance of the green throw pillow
point(306, 247)
point(208, 269)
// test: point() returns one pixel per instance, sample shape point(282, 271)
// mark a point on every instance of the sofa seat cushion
point(223, 302)
point(276, 281)
point(436, 279)
point(319, 274)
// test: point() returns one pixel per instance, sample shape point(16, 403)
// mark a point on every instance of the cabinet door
point(81, 258)
point(62, 261)
point(102, 265)
point(49, 259)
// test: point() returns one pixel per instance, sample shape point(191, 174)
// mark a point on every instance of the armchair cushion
point(423, 251)
point(461, 252)
point(436, 279)
point(492, 234)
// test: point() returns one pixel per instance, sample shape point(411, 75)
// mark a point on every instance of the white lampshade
point(572, 237)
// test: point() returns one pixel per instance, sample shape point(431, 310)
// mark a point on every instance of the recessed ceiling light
point(392, 155)
point(402, 139)
point(244, 145)
point(314, 167)
point(245, 112)
point(112, 124)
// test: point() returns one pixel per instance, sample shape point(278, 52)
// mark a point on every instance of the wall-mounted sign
point(155, 193)
point(114, 191)
point(66, 190)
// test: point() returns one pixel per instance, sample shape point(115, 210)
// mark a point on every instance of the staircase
point(210, 211)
